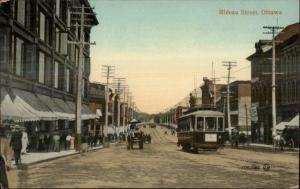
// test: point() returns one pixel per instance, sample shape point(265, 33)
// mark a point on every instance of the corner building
point(38, 66)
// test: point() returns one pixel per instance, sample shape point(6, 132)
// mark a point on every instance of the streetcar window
point(183, 125)
point(200, 124)
point(220, 124)
point(210, 123)
point(192, 122)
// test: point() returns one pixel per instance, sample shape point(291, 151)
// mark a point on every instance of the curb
point(54, 158)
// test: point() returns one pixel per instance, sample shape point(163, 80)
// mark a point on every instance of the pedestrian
point(56, 138)
point(72, 145)
point(5, 157)
point(68, 141)
point(16, 144)
point(47, 142)
point(24, 141)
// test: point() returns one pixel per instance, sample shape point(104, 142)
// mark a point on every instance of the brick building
point(287, 84)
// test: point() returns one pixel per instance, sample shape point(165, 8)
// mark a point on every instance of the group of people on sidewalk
point(51, 142)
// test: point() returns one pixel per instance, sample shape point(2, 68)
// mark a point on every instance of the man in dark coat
point(16, 144)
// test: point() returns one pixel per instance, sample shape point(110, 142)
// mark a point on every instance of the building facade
point(240, 105)
point(38, 66)
point(287, 82)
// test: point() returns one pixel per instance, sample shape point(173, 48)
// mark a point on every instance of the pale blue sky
point(159, 45)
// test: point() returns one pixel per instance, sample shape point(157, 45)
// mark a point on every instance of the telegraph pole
point(247, 124)
point(273, 31)
point(124, 108)
point(79, 68)
point(119, 80)
point(229, 65)
point(108, 72)
point(214, 80)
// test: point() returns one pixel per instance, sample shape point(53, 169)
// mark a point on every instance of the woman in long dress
point(24, 142)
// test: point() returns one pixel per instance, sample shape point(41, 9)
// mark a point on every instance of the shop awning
point(86, 113)
point(51, 104)
point(294, 122)
point(69, 113)
point(35, 105)
point(13, 108)
point(281, 126)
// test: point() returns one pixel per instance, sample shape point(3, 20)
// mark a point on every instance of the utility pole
point(108, 72)
point(229, 65)
point(214, 80)
point(79, 68)
point(247, 125)
point(273, 31)
point(124, 107)
point(118, 81)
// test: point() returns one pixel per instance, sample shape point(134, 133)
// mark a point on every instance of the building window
point(21, 11)
point(4, 50)
point(68, 80)
point(57, 8)
point(57, 39)
point(76, 56)
point(56, 74)
point(42, 26)
point(41, 67)
point(83, 88)
point(19, 53)
point(48, 71)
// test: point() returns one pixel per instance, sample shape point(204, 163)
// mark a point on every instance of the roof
point(204, 113)
point(287, 33)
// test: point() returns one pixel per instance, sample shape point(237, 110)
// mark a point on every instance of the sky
point(162, 46)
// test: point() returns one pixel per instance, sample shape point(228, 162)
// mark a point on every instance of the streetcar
point(201, 129)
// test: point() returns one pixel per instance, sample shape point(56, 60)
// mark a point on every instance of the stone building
point(38, 66)
point(287, 83)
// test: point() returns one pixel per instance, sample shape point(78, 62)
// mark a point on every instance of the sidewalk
point(263, 147)
point(38, 157)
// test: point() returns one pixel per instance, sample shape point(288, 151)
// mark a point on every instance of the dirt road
point(163, 164)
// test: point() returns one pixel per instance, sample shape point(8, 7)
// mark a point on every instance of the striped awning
point(14, 108)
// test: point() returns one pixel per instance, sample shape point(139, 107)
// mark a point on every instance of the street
point(162, 164)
